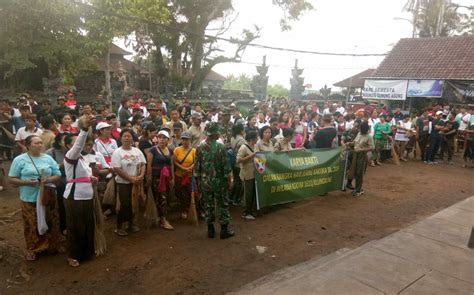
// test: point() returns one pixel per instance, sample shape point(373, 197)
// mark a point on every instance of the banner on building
point(464, 90)
point(425, 88)
point(283, 177)
point(385, 89)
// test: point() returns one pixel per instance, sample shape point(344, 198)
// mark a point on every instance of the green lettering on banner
point(296, 175)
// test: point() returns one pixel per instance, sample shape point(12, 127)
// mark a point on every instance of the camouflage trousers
point(216, 198)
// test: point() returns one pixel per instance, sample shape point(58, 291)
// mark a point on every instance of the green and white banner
point(283, 177)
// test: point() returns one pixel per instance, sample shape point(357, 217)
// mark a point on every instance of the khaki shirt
point(48, 139)
point(247, 169)
point(261, 146)
point(197, 135)
point(170, 126)
point(282, 146)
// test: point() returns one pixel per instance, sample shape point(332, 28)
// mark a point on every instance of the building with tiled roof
point(429, 58)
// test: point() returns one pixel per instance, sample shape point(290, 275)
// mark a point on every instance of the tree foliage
point(278, 90)
point(440, 18)
point(179, 36)
point(184, 43)
point(238, 83)
point(44, 32)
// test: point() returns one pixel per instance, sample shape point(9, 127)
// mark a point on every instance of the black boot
point(211, 231)
point(226, 232)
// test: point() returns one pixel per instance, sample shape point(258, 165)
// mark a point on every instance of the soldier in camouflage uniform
point(213, 176)
point(155, 116)
point(226, 127)
point(347, 140)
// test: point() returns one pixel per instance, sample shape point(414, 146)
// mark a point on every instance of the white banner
point(385, 89)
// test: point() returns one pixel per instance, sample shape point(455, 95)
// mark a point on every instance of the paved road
point(429, 257)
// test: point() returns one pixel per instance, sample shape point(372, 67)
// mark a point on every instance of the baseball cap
point(164, 133)
point(439, 113)
point(177, 125)
point(186, 134)
point(102, 125)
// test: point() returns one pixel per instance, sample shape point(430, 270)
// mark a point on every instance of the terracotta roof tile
point(430, 58)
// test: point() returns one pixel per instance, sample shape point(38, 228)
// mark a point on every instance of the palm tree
point(438, 18)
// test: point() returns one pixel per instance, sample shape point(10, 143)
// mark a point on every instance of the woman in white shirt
point(78, 197)
point(401, 136)
point(129, 164)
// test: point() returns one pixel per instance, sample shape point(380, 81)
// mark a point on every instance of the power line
point(233, 41)
point(305, 68)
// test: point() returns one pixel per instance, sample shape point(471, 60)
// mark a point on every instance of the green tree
point(278, 90)
point(440, 18)
point(239, 83)
point(47, 34)
point(190, 52)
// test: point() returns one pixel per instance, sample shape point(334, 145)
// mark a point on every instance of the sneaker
point(121, 232)
point(249, 217)
point(349, 186)
point(428, 162)
point(451, 163)
point(358, 193)
point(435, 162)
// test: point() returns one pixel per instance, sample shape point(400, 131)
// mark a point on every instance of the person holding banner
point(264, 144)
point(284, 144)
point(245, 157)
point(363, 144)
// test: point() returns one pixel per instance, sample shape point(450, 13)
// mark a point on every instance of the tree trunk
point(108, 88)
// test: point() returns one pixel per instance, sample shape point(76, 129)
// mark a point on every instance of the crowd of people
point(78, 152)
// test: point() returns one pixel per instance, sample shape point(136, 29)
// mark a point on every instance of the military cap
point(152, 106)
point(213, 128)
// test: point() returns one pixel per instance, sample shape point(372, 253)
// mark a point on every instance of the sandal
point(31, 256)
point(73, 262)
point(165, 224)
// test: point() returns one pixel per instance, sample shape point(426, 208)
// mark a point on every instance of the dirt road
point(186, 262)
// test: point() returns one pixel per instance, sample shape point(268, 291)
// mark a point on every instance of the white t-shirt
point(261, 125)
point(341, 110)
point(22, 134)
point(401, 135)
point(105, 148)
point(128, 160)
point(464, 122)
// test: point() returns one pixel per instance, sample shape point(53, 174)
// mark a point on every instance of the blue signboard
point(425, 88)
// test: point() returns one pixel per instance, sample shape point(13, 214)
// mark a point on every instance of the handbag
point(48, 193)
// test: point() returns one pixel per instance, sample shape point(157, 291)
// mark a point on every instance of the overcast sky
point(342, 26)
